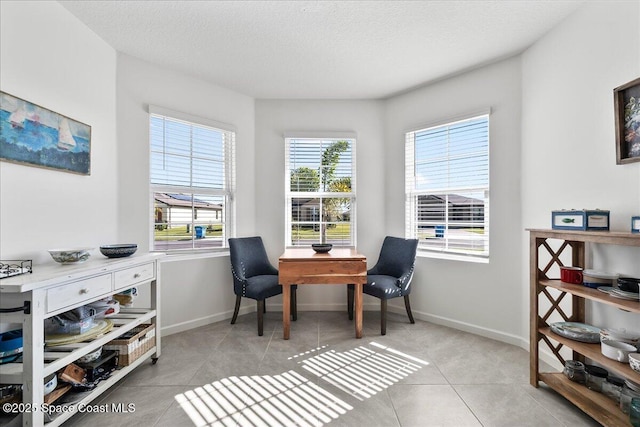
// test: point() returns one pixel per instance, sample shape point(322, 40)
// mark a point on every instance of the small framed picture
point(635, 224)
point(627, 116)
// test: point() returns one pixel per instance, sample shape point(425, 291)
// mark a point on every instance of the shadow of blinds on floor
point(291, 399)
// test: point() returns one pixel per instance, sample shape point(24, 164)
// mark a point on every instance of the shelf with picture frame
point(546, 249)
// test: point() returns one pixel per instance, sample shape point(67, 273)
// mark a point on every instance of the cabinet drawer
point(77, 292)
point(133, 275)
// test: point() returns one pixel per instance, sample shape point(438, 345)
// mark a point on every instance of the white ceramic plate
point(623, 294)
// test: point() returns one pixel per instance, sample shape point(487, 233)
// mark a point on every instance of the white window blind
point(320, 191)
point(447, 187)
point(192, 183)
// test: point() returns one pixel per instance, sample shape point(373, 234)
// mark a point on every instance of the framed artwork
point(627, 116)
point(33, 135)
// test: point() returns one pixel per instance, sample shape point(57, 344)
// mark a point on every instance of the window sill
point(191, 255)
point(452, 257)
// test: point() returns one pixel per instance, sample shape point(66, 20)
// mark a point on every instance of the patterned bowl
point(634, 361)
point(118, 251)
point(91, 357)
point(70, 256)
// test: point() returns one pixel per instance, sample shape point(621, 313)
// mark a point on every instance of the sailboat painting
point(35, 136)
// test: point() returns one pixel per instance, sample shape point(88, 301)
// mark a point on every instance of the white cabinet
point(543, 258)
point(53, 289)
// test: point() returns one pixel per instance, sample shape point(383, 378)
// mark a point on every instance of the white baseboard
point(439, 320)
point(202, 321)
point(466, 327)
point(226, 315)
point(545, 356)
point(334, 307)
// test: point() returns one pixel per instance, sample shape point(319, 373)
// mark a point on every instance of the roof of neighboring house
point(455, 199)
point(306, 202)
point(184, 201)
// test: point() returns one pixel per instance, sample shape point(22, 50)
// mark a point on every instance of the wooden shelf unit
point(596, 405)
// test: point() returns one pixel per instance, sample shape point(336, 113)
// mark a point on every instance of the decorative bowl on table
point(70, 256)
point(322, 248)
point(119, 251)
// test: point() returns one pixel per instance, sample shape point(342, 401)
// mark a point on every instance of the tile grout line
point(395, 411)
point(465, 402)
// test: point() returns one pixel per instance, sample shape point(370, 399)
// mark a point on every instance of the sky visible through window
point(454, 156)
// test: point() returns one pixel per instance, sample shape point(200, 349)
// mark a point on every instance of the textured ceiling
point(321, 49)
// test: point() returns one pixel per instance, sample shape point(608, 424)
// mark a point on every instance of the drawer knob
point(84, 290)
point(135, 276)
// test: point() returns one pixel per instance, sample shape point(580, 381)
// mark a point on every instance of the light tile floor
point(452, 378)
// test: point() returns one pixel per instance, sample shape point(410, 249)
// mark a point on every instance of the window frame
point(228, 192)
point(412, 194)
point(322, 195)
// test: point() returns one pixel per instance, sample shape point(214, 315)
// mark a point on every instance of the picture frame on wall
point(627, 121)
point(36, 136)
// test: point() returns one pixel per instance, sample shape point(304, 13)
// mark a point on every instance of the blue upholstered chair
point(254, 277)
point(390, 277)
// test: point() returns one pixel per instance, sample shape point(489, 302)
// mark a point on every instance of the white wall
point(51, 59)
point(568, 139)
point(559, 154)
point(194, 291)
point(365, 118)
point(482, 298)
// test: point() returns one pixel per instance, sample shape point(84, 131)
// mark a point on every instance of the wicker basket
point(133, 344)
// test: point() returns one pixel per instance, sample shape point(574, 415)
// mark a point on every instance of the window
point(192, 182)
point(320, 191)
point(447, 187)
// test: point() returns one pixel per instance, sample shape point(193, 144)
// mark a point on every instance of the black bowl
point(118, 251)
point(322, 248)
point(629, 284)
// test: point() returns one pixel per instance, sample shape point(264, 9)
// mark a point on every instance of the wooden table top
point(308, 254)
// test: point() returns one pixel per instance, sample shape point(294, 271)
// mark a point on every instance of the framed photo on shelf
point(627, 116)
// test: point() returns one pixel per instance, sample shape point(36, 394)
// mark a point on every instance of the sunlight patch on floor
point(362, 371)
point(290, 399)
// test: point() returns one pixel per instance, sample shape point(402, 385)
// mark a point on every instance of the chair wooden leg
point(235, 312)
point(350, 293)
point(407, 305)
point(383, 317)
point(294, 305)
point(260, 317)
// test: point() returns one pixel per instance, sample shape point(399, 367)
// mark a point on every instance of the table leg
point(286, 310)
point(358, 309)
